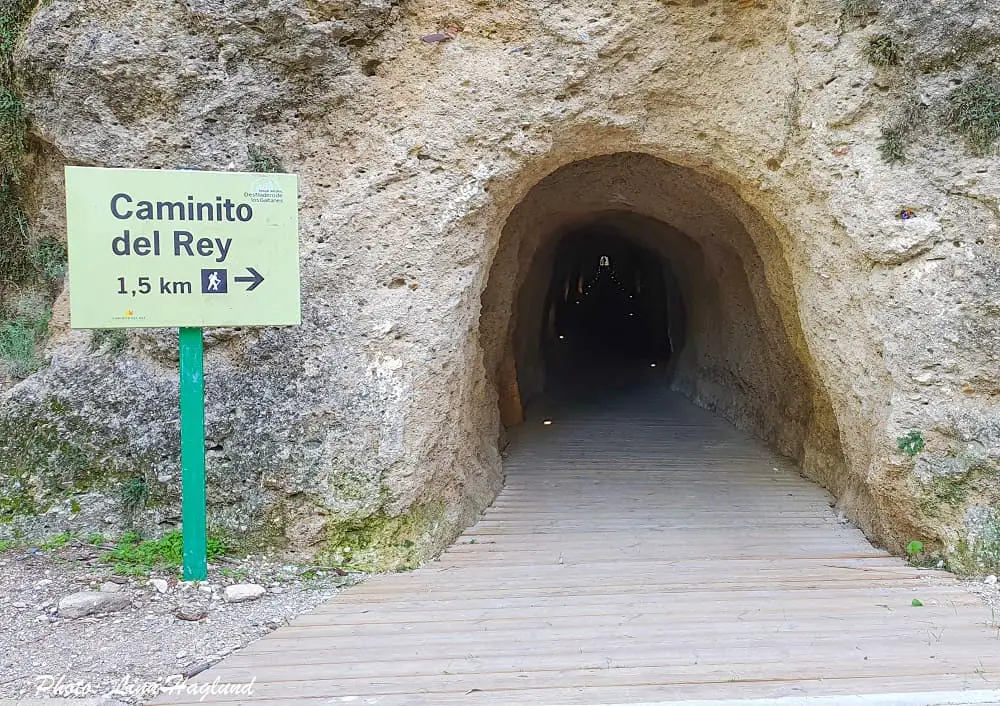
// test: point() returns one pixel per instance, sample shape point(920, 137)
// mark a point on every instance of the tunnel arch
point(738, 348)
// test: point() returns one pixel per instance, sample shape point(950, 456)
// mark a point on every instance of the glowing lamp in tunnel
point(547, 422)
point(562, 338)
point(652, 365)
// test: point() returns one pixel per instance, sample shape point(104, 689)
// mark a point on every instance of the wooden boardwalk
point(641, 551)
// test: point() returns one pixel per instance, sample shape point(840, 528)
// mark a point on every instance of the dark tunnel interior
point(607, 313)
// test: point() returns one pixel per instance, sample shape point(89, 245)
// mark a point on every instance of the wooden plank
point(636, 554)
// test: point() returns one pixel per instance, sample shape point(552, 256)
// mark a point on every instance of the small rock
point(277, 589)
point(160, 585)
point(186, 612)
point(20, 606)
point(43, 583)
point(81, 603)
point(196, 669)
point(990, 580)
point(111, 587)
point(242, 592)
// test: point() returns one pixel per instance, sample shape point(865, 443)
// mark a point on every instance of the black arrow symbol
point(256, 278)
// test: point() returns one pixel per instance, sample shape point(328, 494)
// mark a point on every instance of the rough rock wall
point(376, 423)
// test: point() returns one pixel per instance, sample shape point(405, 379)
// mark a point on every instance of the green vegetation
point(16, 496)
point(19, 341)
point(96, 539)
point(896, 134)
point(58, 541)
point(884, 51)
point(133, 556)
point(15, 260)
point(238, 574)
point(49, 259)
point(915, 547)
point(911, 443)
point(263, 160)
point(135, 493)
point(892, 146)
point(6, 544)
point(23, 261)
point(858, 8)
point(53, 454)
point(381, 542)
point(981, 554)
point(112, 341)
point(974, 111)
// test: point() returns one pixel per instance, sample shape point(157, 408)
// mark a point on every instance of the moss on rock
point(382, 542)
point(49, 455)
point(979, 552)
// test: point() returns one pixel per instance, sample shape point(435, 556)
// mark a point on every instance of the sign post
point(193, 513)
point(184, 249)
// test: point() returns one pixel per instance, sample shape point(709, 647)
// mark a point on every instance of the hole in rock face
point(624, 268)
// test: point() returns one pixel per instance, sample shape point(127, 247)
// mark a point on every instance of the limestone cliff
point(818, 167)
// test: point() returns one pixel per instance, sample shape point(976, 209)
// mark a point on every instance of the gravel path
point(123, 656)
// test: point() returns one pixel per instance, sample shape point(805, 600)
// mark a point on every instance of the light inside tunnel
point(606, 303)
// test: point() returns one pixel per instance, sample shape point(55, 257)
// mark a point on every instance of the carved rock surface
point(738, 138)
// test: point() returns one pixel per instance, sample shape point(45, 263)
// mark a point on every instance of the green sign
point(150, 248)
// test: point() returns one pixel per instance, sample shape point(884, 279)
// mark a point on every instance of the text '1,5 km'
point(153, 248)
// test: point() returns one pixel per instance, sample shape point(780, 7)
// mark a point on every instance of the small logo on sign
point(214, 282)
point(129, 313)
point(265, 191)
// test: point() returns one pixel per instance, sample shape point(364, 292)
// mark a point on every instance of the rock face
point(835, 304)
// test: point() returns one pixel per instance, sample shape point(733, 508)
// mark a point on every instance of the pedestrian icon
point(214, 282)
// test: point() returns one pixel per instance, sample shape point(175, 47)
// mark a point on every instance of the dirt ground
point(170, 631)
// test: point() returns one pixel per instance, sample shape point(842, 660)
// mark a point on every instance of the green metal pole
point(193, 524)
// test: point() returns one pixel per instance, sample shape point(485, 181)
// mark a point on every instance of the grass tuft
point(133, 556)
point(892, 146)
point(897, 133)
point(975, 111)
point(263, 160)
point(135, 494)
point(884, 51)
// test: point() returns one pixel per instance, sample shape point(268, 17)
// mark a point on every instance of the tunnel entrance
point(625, 261)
